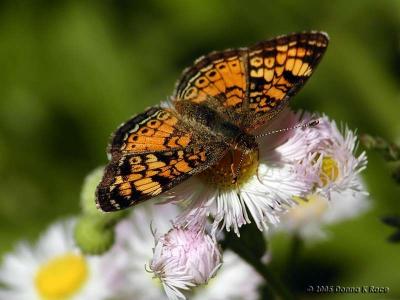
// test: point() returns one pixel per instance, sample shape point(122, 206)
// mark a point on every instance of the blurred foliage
point(72, 71)
point(393, 221)
point(389, 151)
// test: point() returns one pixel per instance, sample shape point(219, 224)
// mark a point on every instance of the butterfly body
point(215, 124)
point(217, 106)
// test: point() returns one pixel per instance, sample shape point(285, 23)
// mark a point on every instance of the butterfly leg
point(233, 170)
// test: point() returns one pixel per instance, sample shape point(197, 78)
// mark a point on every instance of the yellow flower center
point(309, 208)
point(329, 170)
point(61, 277)
point(222, 174)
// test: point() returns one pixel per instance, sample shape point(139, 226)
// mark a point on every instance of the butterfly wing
point(277, 69)
point(217, 79)
point(156, 150)
point(150, 154)
point(156, 129)
point(249, 86)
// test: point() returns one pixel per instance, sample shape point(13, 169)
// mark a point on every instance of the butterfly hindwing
point(136, 173)
point(277, 69)
point(132, 178)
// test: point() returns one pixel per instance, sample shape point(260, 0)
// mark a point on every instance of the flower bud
point(185, 258)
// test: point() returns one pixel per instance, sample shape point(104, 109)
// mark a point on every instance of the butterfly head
point(245, 143)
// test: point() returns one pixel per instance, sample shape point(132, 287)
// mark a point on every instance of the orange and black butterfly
point(217, 105)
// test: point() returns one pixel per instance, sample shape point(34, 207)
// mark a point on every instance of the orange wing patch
point(220, 75)
point(156, 129)
point(278, 69)
point(132, 178)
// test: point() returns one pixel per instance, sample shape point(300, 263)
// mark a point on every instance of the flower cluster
point(337, 192)
point(305, 173)
point(54, 268)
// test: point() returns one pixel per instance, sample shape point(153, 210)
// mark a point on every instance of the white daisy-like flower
point(338, 192)
point(236, 280)
point(338, 166)
point(267, 181)
point(314, 211)
point(136, 239)
point(53, 269)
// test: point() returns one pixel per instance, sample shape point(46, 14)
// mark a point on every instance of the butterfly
point(217, 105)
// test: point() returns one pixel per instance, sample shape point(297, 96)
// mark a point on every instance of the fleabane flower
point(184, 258)
point(235, 280)
point(135, 238)
point(338, 191)
point(53, 269)
point(337, 166)
point(268, 178)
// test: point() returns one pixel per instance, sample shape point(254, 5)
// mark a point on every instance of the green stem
point(273, 281)
point(251, 246)
point(293, 255)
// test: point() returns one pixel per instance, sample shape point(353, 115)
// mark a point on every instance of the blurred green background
point(72, 71)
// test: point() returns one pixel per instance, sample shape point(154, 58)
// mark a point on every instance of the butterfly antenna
point(312, 123)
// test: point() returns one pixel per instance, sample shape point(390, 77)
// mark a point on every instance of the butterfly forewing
point(150, 154)
point(219, 77)
point(156, 129)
